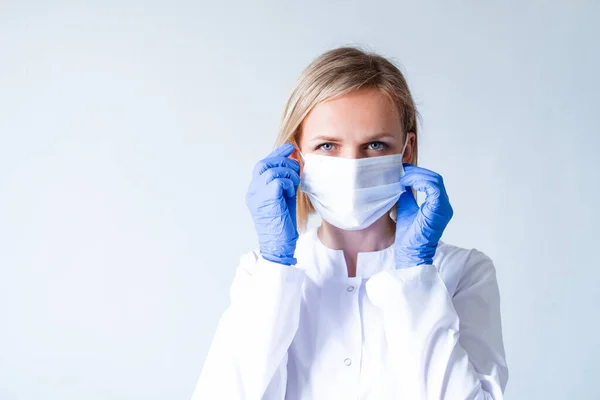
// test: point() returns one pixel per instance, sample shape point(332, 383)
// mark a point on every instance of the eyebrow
point(324, 138)
point(372, 138)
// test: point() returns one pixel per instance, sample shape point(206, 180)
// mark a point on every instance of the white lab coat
point(311, 332)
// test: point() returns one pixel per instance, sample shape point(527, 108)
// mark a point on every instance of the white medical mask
point(352, 193)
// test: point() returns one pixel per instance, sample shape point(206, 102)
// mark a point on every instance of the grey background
point(128, 131)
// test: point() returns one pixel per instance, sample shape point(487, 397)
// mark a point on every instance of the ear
point(410, 147)
point(296, 156)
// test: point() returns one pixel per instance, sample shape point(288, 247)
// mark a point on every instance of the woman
point(371, 304)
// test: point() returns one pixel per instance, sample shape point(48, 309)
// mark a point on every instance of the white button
point(350, 288)
point(347, 361)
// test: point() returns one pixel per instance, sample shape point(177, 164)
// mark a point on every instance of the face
point(364, 123)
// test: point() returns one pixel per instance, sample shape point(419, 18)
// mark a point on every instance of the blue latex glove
point(271, 199)
point(419, 229)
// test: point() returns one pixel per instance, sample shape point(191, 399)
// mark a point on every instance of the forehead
point(362, 112)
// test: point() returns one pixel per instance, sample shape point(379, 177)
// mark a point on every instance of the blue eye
point(326, 146)
point(378, 146)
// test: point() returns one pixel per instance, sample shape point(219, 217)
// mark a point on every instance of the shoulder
point(306, 240)
point(462, 267)
point(306, 248)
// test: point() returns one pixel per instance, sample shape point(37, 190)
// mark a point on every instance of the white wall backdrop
point(128, 131)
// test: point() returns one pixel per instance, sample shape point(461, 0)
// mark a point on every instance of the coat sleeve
point(248, 355)
point(445, 346)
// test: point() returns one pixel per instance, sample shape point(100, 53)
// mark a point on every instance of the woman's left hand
point(419, 229)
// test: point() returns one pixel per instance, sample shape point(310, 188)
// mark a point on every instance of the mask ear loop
point(405, 144)
point(394, 211)
point(303, 162)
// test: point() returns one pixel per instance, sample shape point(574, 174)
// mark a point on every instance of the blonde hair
point(335, 73)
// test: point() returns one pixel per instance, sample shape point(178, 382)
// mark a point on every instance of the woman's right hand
point(271, 199)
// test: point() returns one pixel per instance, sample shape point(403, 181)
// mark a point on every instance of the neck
point(376, 236)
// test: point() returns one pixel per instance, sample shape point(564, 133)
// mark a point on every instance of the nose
point(353, 152)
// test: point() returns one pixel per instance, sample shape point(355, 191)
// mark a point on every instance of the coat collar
point(313, 254)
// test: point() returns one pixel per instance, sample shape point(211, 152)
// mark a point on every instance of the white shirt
point(311, 332)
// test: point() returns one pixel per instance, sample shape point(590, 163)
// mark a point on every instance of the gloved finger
point(411, 169)
point(418, 177)
point(407, 200)
point(434, 189)
point(279, 172)
point(433, 193)
point(272, 162)
point(407, 204)
point(282, 186)
point(284, 150)
point(406, 211)
point(258, 184)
